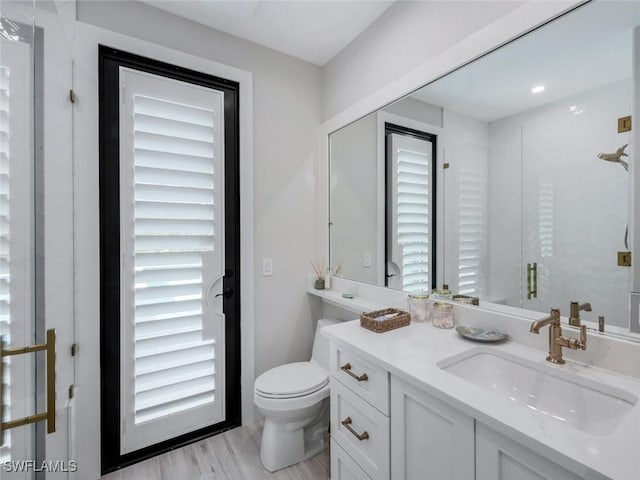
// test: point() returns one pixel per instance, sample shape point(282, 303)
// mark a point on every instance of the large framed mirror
point(509, 179)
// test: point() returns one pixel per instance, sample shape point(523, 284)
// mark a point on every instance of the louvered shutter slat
point(162, 396)
point(168, 176)
point(170, 408)
point(169, 161)
point(169, 127)
point(166, 210)
point(152, 381)
point(172, 360)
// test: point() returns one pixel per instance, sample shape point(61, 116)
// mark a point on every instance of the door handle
point(50, 414)
point(214, 282)
point(226, 293)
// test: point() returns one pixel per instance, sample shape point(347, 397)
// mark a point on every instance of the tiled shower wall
point(565, 209)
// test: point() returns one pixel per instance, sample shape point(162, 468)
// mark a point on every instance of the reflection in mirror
point(529, 202)
point(383, 232)
point(410, 160)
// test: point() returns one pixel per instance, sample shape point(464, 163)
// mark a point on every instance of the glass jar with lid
point(418, 306)
point(442, 315)
point(441, 293)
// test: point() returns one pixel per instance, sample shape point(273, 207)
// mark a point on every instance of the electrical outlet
point(267, 267)
point(366, 260)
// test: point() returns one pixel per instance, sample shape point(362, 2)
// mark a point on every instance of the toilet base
point(287, 443)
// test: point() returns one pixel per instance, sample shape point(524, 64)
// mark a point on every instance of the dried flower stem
point(318, 271)
point(338, 269)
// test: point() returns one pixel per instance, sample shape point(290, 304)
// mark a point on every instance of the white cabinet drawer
point(343, 467)
point(364, 378)
point(361, 430)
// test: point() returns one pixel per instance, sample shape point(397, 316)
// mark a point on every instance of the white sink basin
point(589, 406)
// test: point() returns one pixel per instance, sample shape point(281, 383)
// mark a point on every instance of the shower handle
point(532, 280)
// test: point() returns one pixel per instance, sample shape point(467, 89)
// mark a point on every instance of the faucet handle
point(574, 343)
point(583, 337)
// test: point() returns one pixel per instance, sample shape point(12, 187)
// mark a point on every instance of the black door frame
point(390, 128)
point(110, 61)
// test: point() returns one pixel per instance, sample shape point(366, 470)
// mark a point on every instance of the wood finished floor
point(233, 455)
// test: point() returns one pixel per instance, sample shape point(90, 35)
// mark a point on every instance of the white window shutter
point(172, 254)
point(412, 212)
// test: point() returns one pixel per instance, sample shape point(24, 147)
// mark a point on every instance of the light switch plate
point(267, 267)
point(366, 260)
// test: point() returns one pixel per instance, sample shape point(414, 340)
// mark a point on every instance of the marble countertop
point(412, 353)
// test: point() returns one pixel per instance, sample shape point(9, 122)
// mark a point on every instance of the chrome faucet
point(574, 312)
point(556, 340)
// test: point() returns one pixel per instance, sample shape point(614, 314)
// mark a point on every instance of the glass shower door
point(564, 182)
point(36, 289)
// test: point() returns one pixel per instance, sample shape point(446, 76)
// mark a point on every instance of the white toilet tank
point(320, 354)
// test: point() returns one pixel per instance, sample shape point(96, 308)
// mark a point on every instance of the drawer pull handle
point(360, 436)
point(346, 368)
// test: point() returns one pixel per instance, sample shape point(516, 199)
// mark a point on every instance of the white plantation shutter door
point(172, 258)
point(412, 219)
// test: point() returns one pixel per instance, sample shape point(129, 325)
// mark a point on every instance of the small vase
point(319, 284)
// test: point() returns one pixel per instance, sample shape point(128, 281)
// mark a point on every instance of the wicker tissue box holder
point(368, 320)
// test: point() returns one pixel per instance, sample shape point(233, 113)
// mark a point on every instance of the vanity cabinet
point(499, 458)
point(359, 418)
point(383, 427)
point(430, 439)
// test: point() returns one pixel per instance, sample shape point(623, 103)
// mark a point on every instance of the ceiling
point(311, 30)
point(590, 48)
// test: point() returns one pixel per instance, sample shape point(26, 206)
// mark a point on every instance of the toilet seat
point(292, 380)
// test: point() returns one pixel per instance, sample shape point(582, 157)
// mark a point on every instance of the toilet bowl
point(294, 399)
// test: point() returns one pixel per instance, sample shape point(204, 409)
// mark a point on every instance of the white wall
point(286, 107)
point(505, 206)
point(417, 110)
point(285, 99)
point(406, 36)
point(354, 197)
point(575, 206)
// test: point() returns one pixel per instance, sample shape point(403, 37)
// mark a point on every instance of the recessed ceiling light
point(537, 89)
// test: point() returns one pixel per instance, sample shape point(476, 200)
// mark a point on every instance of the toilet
point(294, 398)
